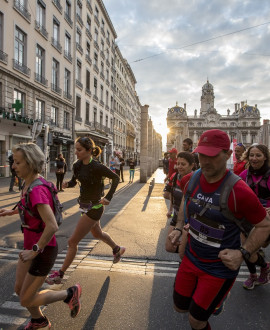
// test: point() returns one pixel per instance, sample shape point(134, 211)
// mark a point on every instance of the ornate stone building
point(243, 124)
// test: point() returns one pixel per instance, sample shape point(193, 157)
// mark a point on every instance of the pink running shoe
point(32, 325)
point(74, 303)
point(117, 255)
point(250, 283)
point(54, 278)
point(264, 277)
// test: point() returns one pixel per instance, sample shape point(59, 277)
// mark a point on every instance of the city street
point(137, 292)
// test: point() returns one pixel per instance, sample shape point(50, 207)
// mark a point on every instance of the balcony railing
point(102, 32)
point(108, 63)
point(101, 103)
point(88, 33)
point(88, 59)
point(78, 118)
point(96, 45)
point(56, 89)
point(68, 19)
point(79, 84)
point(95, 98)
point(97, 21)
point(87, 91)
point(102, 54)
point(67, 96)
point(58, 5)
point(88, 5)
point(22, 10)
point(56, 45)
point(3, 57)
point(21, 67)
point(79, 47)
point(79, 19)
point(102, 75)
point(68, 56)
point(42, 80)
point(96, 68)
point(107, 82)
point(41, 29)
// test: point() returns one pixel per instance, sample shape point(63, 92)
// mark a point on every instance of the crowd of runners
point(210, 226)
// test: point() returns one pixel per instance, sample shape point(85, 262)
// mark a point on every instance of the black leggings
point(59, 180)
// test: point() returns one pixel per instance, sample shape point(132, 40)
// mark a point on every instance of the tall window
point(66, 120)
point(40, 63)
point(78, 107)
point(68, 8)
point(40, 110)
point(102, 46)
point(101, 92)
point(96, 35)
point(67, 43)
point(55, 73)
point(106, 121)
point(88, 49)
point(56, 30)
point(79, 37)
point(79, 8)
point(107, 98)
point(79, 71)
point(102, 24)
point(102, 67)
point(95, 115)
point(101, 118)
point(20, 46)
point(17, 95)
point(88, 80)
point(67, 87)
point(87, 112)
point(54, 115)
point(88, 23)
point(96, 11)
point(96, 59)
point(95, 86)
point(41, 13)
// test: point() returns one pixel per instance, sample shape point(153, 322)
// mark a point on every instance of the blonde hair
point(32, 154)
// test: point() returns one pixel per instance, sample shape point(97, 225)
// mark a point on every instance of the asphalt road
point(134, 294)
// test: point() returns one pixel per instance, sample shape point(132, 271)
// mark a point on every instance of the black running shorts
point(43, 262)
point(95, 214)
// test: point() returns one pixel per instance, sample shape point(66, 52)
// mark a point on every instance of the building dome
point(248, 110)
point(207, 86)
point(176, 110)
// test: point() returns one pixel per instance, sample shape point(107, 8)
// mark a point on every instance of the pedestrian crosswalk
point(12, 314)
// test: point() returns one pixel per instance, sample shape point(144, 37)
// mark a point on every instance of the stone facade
point(243, 124)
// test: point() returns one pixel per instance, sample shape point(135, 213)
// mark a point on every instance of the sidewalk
point(4, 182)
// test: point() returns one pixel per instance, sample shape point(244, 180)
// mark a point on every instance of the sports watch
point(36, 248)
point(245, 253)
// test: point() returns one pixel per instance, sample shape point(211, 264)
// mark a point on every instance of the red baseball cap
point(173, 151)
point(212, 142)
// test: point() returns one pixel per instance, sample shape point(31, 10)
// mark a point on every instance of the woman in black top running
point(88, 172)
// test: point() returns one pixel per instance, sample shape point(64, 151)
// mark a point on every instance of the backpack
point(231, 180)
point(58, 207)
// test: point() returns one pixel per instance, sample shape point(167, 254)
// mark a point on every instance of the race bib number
point(206, 231)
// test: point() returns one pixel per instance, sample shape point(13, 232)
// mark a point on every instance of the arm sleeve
point(106, 172)
point(72, 183)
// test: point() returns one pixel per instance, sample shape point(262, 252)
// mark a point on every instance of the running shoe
point(54, 278)
point(219, 309)
point(74, 303)
point(264, 277)
point(250, 283)
point(32, 325)
point(117, 255)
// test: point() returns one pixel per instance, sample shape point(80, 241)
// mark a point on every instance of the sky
point(174, 46)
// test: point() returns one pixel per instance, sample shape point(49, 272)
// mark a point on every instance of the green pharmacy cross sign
point(17, 105)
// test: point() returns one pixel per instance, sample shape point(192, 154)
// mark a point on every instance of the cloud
point(171, 40)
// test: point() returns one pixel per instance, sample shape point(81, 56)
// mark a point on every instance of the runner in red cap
point(213, 253)
point(172, 163)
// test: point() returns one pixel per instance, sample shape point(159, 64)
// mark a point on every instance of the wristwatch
point(36, 248)
point(245, 253)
